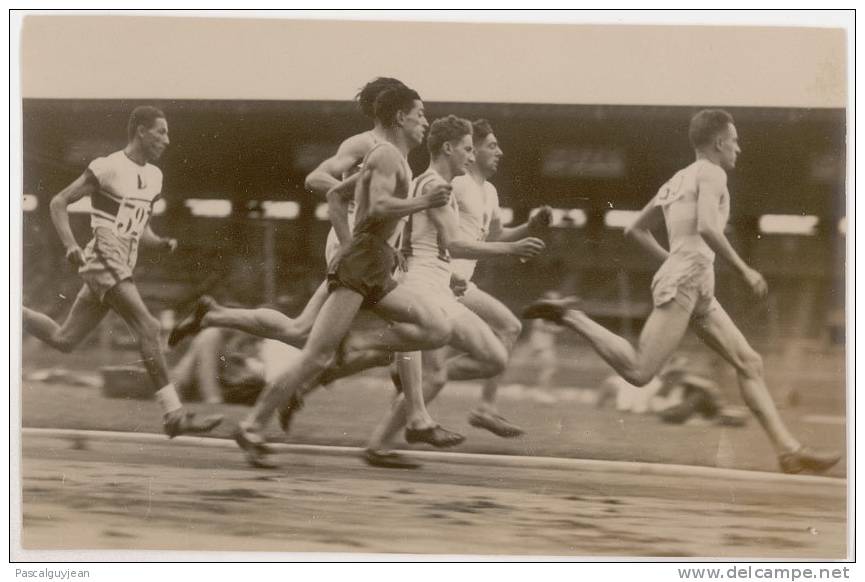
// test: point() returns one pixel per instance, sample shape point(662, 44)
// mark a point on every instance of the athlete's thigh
point(86, 313)
point(490, 309)
point(405, 305)
point(662, 334)
point(125, 299)
point(720, 333)
point(434, 361)
point(333, 321)
point(471, 334)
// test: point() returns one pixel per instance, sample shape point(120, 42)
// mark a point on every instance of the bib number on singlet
point(670, 191)
point(131, 219)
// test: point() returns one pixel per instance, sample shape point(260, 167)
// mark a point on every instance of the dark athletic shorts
point(366, 267)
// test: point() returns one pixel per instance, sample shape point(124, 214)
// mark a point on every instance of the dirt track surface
point(99, 494)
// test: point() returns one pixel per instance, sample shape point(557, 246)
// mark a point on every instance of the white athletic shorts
point(431, 279)
point(689, 280)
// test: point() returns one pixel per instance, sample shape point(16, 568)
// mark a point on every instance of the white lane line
point(559, 463)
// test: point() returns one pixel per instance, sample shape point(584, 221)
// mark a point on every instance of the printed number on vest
point(131, 219)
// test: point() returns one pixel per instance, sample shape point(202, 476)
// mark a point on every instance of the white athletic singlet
point(127, 192)
point(687, 276)
point(678, 200)
point(478, 204)
point(428, 260)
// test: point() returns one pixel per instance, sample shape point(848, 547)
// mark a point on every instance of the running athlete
point(476, 219)
point(123, 188)
point(695, 206)
point(426, 243)
point(480, 220)
point(361, 275)
point(325, 180)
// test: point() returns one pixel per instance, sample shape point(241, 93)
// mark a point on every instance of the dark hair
point(445, 129)
point(706, 125)
point(145, 115)
point(367, 95)
point(481, 128)
point(392, 100)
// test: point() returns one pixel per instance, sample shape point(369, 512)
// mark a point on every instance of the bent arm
point(384, 168)
point(329, 173)
point(338, 200)
point(711, 186)
point(84, 185)
point(640, 231)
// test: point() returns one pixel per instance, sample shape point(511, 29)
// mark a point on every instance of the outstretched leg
point(664, 330)
point(86, 313)
point(261, 322)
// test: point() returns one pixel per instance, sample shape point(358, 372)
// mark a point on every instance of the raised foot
point(191, 324)
point(550, 309)
point(496, 424)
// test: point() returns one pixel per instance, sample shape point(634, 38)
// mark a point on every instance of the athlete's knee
point(497, 360)
point(750, 364)
point(637, 376)
point(64, 343)
point(437, 328)
point(512, 330)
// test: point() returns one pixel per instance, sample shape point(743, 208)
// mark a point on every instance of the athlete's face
point(462, 155)
point(487, 155)
point(414, 123)
point(728, 146)
point(154, 139)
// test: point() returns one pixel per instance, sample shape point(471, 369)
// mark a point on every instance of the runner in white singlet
point(695, 206)
point(122, 188)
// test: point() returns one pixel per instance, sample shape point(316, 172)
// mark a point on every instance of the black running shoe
point(550, 309)
point(191, 324)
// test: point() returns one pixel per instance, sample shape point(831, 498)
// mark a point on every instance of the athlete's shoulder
point(707, 172)
point(104, 165)
point(358, 145)
point(384, 156)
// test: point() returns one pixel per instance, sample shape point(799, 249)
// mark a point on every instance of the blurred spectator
point(676, 395)
point(221, 365)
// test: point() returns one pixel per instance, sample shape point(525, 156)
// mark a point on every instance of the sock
point(168, 399)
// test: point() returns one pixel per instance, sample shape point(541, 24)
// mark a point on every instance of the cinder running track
point(114, 491)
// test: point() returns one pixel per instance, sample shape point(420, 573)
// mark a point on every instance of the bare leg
point(208, 345)
point(434, 376)
point(661, 335)
point(504, 324)
point(416, 325)
point(721, 334)
point(331, 326)
point(85, 315)
point(477, 346)
point(126, 301)
point(269, 323)
point(482, 354)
